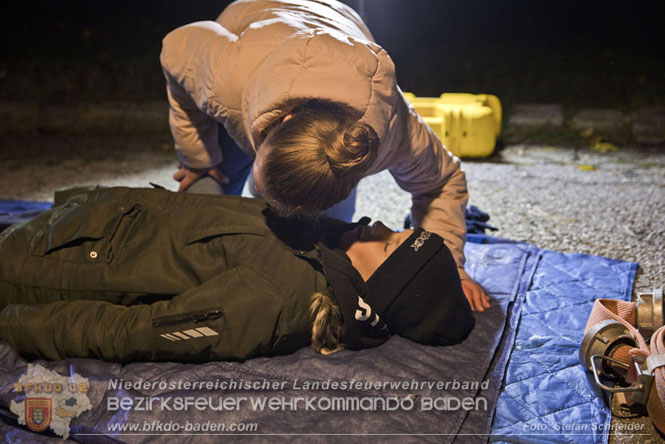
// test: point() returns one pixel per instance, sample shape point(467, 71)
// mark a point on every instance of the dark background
point(579, 53)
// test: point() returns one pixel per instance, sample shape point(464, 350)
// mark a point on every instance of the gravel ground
point(609, 204)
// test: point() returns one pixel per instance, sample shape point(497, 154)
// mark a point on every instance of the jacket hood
point(322, 64)
point(362, 325)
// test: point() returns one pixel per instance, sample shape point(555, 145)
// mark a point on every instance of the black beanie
point(418, 293)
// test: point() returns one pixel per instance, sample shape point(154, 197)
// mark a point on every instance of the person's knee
point(206, 185)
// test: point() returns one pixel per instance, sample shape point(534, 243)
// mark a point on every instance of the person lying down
point(123, 274)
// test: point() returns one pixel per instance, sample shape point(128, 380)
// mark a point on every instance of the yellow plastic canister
point(467, 124)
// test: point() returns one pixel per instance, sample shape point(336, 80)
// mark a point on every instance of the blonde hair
point(315, 158)
point(327, 328)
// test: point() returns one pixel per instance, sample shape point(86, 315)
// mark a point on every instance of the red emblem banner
point(38, 413)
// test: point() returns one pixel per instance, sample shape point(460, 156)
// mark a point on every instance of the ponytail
point(328, 325)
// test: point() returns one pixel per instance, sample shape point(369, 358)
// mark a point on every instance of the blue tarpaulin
point(517, 373)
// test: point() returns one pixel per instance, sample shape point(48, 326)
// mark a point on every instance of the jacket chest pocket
point(86, 233)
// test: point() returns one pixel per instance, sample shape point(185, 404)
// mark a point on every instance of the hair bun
point(317, 157)
point(351, 149)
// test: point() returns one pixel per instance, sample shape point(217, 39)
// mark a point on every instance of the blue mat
point(15, 211)
point(523, 350)
point(546, 395)
point(16, 207)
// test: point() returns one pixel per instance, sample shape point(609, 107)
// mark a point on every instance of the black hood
point(363, 326)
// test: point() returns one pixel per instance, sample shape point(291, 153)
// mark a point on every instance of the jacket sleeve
point(191, 58)
point(232, 316)
point(435, 179)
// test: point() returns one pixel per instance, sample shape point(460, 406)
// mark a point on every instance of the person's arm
point(192, 61)
point(231, 316)
point(437, 183)
point(435, 179)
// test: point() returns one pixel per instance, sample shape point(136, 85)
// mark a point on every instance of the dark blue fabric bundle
point(474, 217)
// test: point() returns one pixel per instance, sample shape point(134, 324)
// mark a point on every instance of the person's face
point(369, 246)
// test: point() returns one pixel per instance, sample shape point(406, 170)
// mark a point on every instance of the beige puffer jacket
point(261, 58)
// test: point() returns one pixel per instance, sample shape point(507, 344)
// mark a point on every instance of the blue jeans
point(237, 165)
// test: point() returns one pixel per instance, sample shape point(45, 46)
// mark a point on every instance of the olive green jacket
point(139, 274)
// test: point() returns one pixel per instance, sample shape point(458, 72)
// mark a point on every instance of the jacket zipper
point(194, 317)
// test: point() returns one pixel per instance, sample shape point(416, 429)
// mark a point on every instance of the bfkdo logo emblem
point(38, 413)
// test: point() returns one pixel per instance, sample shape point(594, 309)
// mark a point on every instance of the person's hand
point(187, 176)
point(475, 294)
